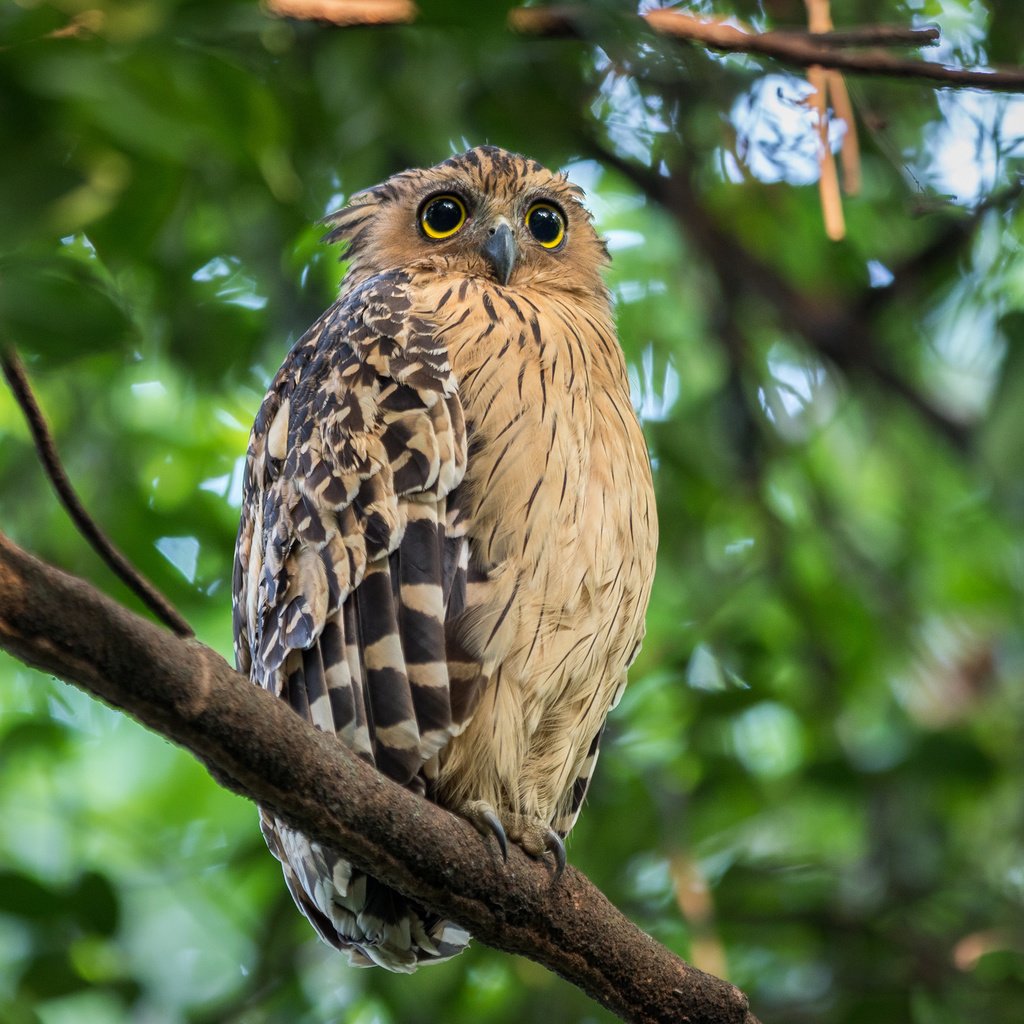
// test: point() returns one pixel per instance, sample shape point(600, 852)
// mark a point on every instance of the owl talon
point(553, 842)
point(493, 822)
point(485, 820)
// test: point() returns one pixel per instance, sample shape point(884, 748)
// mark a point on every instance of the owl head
point(485, 213)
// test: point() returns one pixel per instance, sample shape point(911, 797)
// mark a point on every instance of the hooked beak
point(500, 251)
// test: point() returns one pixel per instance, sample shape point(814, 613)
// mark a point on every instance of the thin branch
point(828, 85)
point(254, 744)
point(867, 35)
point(819, 79)
point(804, 51)
point(572, 21)
point(838, 332)
point(849, 151)
point(14, 371)
point(945, 247)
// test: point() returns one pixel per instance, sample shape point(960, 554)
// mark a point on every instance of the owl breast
point(561, 531)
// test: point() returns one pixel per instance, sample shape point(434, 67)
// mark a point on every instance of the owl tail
point(372, 924)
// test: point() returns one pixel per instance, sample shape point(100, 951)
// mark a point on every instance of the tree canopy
point(812, 784)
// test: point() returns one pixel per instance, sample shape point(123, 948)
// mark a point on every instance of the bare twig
point(826, 82)
point(868, 35)
point(14, 371)
point(828, 176)
point(257, 746)
point(572, 21)
point(849, 152)
point(803, 51)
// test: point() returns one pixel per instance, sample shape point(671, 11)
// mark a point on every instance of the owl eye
point(442, 216)
point(546, 224)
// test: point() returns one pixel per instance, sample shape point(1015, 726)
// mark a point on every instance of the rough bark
point(255, 745)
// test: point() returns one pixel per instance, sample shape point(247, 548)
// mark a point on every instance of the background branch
point(800, 49)
point(346, 13)
point(841, 331)
point(255, 745)
point(804, 50)
point(14, 372)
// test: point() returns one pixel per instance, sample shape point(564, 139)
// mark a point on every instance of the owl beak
point(500, 250)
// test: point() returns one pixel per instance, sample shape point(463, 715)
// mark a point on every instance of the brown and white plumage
point(448, 527)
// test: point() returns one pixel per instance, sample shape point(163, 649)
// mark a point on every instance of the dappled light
point(811, 785)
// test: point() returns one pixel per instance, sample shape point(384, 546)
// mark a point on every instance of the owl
point(448, 528)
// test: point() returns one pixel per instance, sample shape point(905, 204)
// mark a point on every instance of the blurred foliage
point(813, 782)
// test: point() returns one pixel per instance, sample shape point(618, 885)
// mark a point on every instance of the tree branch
point(865, 35)
point(46, 449)
point(572, 21)
point(346, 13)
point(801, 49)
point(804, 50)
point(843, 332)
point(255, 745)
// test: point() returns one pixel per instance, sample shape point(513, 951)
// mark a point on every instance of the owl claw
point(534, 835)
point(486, 821)
point(493, 822)
point(553, 842)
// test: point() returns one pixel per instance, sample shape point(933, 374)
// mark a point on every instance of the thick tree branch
point(254, 744)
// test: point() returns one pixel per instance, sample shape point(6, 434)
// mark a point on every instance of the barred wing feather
point(350, 564)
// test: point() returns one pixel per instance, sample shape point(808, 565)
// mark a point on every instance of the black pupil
point(545, 224)
point(444, 215)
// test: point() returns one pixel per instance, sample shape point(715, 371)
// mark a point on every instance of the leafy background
point(813, 784)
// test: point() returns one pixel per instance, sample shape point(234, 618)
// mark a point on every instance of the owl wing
point(350, 557)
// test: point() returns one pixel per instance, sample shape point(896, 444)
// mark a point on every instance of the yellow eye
point(546, 224)
point(442, 216)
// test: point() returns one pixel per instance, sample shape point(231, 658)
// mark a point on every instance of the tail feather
point(372, 924)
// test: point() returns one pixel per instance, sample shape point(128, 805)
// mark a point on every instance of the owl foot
point(533, 835)
point(487, 822)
